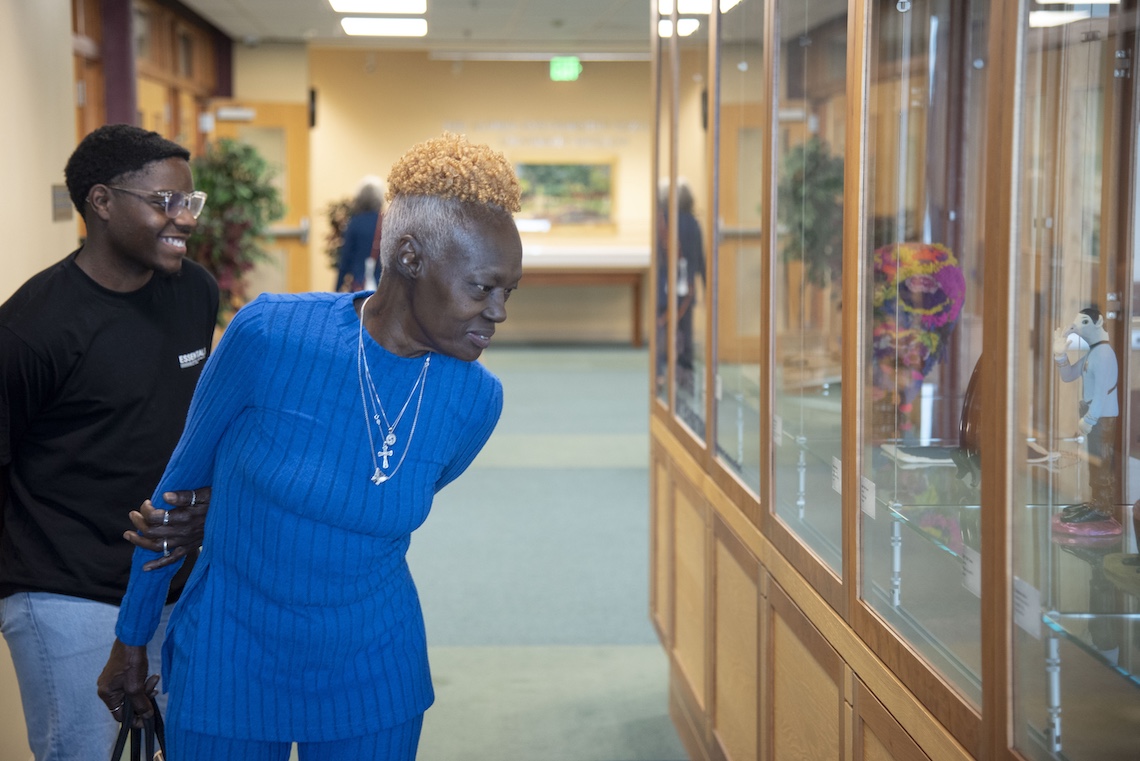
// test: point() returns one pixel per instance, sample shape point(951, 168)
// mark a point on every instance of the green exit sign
point(565, 68)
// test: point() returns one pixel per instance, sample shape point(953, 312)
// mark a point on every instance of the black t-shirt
point(94, 390)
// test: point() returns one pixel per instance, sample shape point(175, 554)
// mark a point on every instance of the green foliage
point(242, 201)
point(810, 210)
point(338, 213)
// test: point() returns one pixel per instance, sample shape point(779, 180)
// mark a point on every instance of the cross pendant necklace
point(370, 398)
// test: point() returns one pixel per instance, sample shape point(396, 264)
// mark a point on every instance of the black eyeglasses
point(173, 200)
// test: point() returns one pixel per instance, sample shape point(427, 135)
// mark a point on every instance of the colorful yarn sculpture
point(917, 296)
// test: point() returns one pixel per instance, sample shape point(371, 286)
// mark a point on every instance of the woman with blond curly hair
point(326, 423)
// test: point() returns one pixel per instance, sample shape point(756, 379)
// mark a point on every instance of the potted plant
point(338, 213)
point(241, 203)
point(810, 211)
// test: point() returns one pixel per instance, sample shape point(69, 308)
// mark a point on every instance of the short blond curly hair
point(451, 167)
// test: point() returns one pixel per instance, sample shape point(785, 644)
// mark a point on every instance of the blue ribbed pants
point(394, 744)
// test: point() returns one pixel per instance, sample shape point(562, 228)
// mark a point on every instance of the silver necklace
point(377, 415)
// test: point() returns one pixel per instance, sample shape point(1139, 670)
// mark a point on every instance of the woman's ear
point(409, 256)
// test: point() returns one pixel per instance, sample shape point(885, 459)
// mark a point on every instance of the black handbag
point(151, 735)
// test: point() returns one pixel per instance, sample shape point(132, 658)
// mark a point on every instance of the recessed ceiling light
point(384, 27)
point(685, 27)
point(694, 7)
point(1040, 19)
point(402, 7)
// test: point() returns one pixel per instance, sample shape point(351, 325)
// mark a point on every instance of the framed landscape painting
point(558, 195)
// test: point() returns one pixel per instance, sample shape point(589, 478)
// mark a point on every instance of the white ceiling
point(546, 26)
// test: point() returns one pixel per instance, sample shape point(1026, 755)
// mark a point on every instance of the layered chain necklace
point(374, 411)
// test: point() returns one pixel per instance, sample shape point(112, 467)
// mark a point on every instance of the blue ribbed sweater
point(301, 621)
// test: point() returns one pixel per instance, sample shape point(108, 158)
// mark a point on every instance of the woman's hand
point(125, 678)
point(174, 533)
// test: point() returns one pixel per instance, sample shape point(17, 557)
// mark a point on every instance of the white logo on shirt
point(191, 359)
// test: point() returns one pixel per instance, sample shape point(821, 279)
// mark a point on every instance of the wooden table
point(594, 274)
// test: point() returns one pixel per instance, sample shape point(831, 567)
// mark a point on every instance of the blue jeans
point(59, 646)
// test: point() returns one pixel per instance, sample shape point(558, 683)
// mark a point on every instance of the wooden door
point(739, 234)
point(280, 133)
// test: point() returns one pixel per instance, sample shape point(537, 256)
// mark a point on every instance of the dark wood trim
point(712, 192)
point(660, 510)
point(768, 247)
point(696, 717)
point(1003, 175)
point(807, 564)
point(118, 48)
point(806, 632)
point(724, 534)
point(683, 721)
point(910, 668)
point(869, 712)
point(855, 341)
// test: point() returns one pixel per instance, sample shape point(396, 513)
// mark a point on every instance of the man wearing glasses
point(99, 356)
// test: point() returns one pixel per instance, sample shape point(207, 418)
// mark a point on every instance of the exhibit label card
point(1027, 607)
point(778, 430)
point(867, 497)
point(836, 476)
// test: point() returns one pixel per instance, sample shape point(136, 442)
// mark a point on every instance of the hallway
point(533, 573)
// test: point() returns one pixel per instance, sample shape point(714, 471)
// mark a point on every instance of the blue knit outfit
point(301, 620)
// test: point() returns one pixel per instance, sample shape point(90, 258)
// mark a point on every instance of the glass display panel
point(666, 87)
point(920, 485)
point(807, 304)
point(1075, 593)
point(739, 255)
point(693, 207)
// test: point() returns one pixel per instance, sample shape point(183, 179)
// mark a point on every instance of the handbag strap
point(152, 734)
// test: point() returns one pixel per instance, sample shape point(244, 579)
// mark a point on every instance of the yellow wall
point(37, 134)
point(373, 105)
point(274, 72)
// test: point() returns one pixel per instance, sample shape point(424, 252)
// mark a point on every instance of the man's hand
point(1084, 427)
point(174, 533)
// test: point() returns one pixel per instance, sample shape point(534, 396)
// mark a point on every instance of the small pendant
point(378, 477)
point(390, 439)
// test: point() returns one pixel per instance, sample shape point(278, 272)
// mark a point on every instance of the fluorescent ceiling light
point(685, 27)
point(404, 7)
point(1066, 2)
point(384, 27)
point(1041, 19)
point(694, 7)
point(488, 55)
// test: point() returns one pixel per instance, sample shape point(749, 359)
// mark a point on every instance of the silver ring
point(165, 517)
point(193, 497)
point(165, 549)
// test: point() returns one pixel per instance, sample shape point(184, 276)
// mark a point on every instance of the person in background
point(99, 356)
point(690, 268)
point(359, 267)
point(326, 423)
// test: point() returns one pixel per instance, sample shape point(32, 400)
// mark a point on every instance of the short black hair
point(1093, 312)
point(112, 151)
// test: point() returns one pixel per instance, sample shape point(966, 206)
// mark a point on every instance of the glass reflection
point(1076, 590)
point(807, 299)
point(693, 214)
point(739, 255)
point(665, 98)
point(921, 482)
